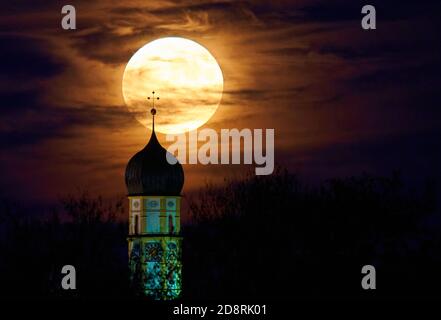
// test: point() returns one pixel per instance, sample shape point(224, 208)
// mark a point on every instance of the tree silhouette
point(253, 237)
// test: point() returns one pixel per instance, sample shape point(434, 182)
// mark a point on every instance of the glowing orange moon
point(184, 74)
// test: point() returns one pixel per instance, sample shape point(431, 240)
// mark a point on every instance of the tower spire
point(153, 110)
point(154, 186)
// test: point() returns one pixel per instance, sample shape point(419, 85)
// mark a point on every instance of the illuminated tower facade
point(154, 187)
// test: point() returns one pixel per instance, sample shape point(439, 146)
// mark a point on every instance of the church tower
point(154, 187)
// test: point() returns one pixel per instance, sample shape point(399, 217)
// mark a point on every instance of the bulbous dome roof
point(149, 173)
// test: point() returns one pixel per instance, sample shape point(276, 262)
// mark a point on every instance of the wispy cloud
point(304, 67)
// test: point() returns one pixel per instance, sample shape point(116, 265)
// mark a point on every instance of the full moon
point(185, 76)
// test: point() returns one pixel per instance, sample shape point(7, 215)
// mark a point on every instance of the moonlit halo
point(184, 74)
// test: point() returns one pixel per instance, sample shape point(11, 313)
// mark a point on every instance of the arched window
point(136, 224)
point(171, 226)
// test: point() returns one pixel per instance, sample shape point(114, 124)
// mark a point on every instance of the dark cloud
point(22, 6)
point(25, 62)
point(422, 75)
point(27, 119)
point(200, 6)
point(288, 51)
point(246, 93)
point(109, 46)
point(417, 44)
point(414, 154)
point(15, 103)
point(27, 59)
point(58, 122)
point(330, 11)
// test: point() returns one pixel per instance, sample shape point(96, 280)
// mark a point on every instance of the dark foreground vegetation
point(255, 238)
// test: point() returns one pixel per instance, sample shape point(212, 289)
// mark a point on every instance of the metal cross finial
point(153, 111)
point(153, 98)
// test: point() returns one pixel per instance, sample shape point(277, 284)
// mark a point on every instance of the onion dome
point(148, 172)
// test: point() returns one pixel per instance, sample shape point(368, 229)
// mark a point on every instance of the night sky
point(342, 100)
